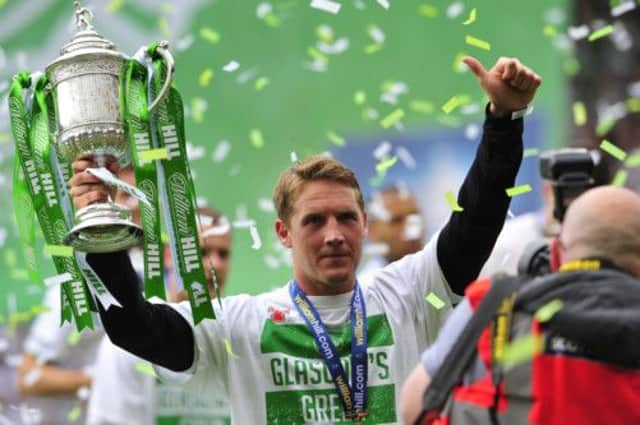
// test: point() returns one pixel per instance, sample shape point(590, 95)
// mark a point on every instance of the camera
point(571, 171)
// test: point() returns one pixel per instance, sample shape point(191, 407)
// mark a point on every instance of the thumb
point(475, 66)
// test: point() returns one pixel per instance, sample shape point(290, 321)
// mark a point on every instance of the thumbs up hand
point(509, 85)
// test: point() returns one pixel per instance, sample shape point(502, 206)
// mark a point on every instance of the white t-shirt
point(49, 342)
point(123, 394)
point(276, 375)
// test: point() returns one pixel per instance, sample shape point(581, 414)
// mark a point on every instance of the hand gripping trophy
point(94, 101)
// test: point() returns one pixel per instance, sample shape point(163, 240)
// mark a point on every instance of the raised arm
point(154, 332)
point(466, 241)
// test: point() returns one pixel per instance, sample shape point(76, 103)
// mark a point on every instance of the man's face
point(396, 232)
point(216, 252)
point(325, 234)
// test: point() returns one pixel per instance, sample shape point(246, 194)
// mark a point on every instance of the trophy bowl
point(85, 80)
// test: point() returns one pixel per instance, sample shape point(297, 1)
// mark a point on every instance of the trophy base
point(104, 227)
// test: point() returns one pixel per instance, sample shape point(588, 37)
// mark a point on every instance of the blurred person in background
point(395, 229)
point(55, 374)
point(126, 392)
point(590, 339)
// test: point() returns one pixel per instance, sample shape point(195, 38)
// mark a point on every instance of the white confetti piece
point(235, 170)
point(33, 376)
point(622, 8)
point(195, 152)
point(222, 228)
point(293, 156)
point(185, 42)
point(377, 210)
point(376, 249)
point(266, 205)
point(326, 6)
point(243, 224)
point(231, 66)
point(263, 9)
point(621, 37)
point(246, 76)
point(472, 131)
point(221, 151)
point(413, 228)
point(634, 89)
point(376, 34)
point(510, 214)
point(339, 46)
point(58, 279)
point(382, 150)
point(4, 345)
point(384, 3)
point(470, 109)
point(578, 33)
point(555, 16)
point(83, 393)
point(255, 236)
point(405, 157)
point(455, 9)
point(3, 236)
point(201, 202)
point(205, 220)
point(109, 179)
point(271, 261)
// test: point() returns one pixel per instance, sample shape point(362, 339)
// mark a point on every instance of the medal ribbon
point(354, 397)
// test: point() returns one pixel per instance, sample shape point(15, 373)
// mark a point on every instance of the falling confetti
point(518, 190)
point(613, 150)
point(620, 178)
point(579, 114)
point(58, 251)
point(209, 34)
point(336, 139)
point(154, 154)
point(256, 138)
point(435, 301)
point(392, 118)
point(472, 17)
point(231, 66)
point(601, 33)
point(476, 42)
point(547, 311)
point(326, 6)
point(452, 201)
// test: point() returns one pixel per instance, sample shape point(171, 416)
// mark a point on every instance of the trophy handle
point(163, 50)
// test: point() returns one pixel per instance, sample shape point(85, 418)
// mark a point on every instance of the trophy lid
point(86, 39)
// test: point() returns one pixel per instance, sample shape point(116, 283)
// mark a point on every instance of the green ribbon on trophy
point(33, 152)
point(168, 127)
point(134, 109)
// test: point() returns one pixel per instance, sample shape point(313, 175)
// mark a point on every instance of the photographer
point(593, 339)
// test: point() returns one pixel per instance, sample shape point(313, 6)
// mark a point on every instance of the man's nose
point(333, 235)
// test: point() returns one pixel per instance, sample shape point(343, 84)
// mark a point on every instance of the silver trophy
point(85, 79)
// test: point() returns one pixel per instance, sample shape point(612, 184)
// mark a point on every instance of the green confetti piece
point(261, 83)
point(428, 10)
point(10, 258)
point(36, 310)
point(547, 311)
point(359, 97)
point(4, 137)
point(452, 201)
point(377, 180)
point(392, 118)
point(74, 413)
point(373, 48)
point(459, 66)
point(336, 139)
point(454, 102)
point(114, 6)
point(154, 154)
point(209, 34)
point(476, 42)
point(19, 274)
point(164, 237)
point(317, 54)
point(605, 126)
point(633, 161)
point(602, 32)
point(74, 338)
point(229, 349)
point(571, 66)
point(518, 190)
point(550, 31)
point(384, 165)
point(324, 34)
point(449, 120)
point(272, 20)
point(58, 251)
point(435, 301)
point(521, 350)
point(197, 109)
point(146, 368)
point(422, 106)
point(472, 17)
point(17, 318)
point(530, 152)
point(163, 26)
point(613, 150)
point(256, 138)
point(633, 104)
point(579, 114)
point(620, 178)
point(205, 78)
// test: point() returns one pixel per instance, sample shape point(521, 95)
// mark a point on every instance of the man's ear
point(282, 230)
point(555, 254)
point(365, 218)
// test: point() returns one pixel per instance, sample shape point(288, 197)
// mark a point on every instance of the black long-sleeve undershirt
point(158, 333)
point(467, 239)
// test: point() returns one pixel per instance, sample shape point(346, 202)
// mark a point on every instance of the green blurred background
point(276, 92)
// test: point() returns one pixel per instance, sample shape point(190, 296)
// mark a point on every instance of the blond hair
point(317, 167)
